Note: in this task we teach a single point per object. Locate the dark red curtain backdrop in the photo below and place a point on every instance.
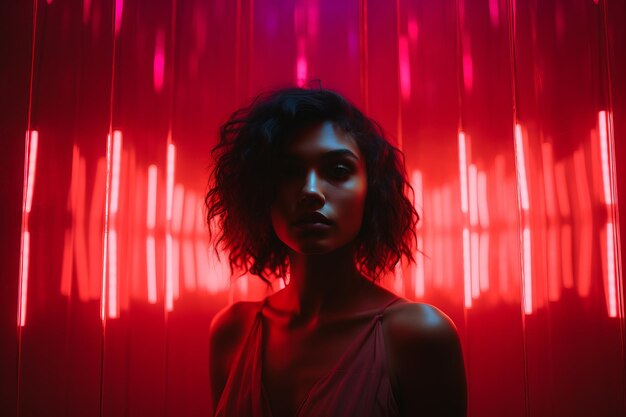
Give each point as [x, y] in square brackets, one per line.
[512, 117]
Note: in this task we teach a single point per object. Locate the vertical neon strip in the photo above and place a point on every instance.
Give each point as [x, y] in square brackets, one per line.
[151, 268]
[548, 178]
[152, 191]
[32, 166]
[105, 237]
[566, 256]
[112, 274]
[483, 203]
[405, 67]
[473, 194]
[419, 269]
[484, 261]
[467, 268]
[171, 155]
[527, 272]
[610, 269]
[169, 277]
[119, 7]
[561, 189]
[463, 172]
[158, 62]
[604, 155]
[521, 167]
[176, 269]
[115, 171]
[24, 277]
[301, 63]
[418, 187]
[475, 272]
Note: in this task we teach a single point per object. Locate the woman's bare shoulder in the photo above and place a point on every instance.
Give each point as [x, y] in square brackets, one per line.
[231, 321]
[415, 320]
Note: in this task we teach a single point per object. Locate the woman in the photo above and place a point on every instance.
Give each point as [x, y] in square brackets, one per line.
[306, 187]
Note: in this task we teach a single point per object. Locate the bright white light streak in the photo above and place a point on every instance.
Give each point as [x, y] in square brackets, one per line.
[169, 273]
[484, 261]
[604, 155]
[24, 278]
[475, 265]
[112, 294]
[115, 171]
[467, 280]
[152, 195]
[32, 166]
[520, 166]
[151, 268]
[527, 271]
[611, 275]
[171, 158]
[463, 171]
[472, 173]
[483, 202]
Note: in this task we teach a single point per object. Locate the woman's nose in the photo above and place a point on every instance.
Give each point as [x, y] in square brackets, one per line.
[311, 192]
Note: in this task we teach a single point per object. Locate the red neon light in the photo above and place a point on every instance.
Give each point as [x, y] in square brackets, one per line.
[494, 13]
[119, 7]
[419, 269]
[105, 237]
[561, 189]
[412, 29]
[176, 268]
[177, 208]
[95, 229]
[527, 271]
[113, 293]
[474, 253]
[301, 63]
[169, 273]
[32, 166]
[463, 171]
[484, 261]
[418, 187]
[151, 268]
[604, 155]
[158, 66]
[566, 256]
[585, 241]
[152, 196]
[554, 287]
[467, 280]
[611, 276]
[548, 178]
[483, 204]
[171, 160]
[473, 194]
[404, 67]
[115, 171]
[24, 278]
[520, 166]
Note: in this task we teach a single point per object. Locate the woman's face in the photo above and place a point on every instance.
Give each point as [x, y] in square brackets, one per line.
[320, 192]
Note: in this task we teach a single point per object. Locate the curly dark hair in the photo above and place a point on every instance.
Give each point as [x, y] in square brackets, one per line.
[243, 181]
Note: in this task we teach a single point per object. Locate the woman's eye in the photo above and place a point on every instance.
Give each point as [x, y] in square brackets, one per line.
[340, 171]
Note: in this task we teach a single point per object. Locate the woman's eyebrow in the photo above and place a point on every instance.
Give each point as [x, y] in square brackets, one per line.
[335, 153]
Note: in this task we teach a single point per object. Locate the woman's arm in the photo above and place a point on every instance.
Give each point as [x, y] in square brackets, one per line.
[426, 361]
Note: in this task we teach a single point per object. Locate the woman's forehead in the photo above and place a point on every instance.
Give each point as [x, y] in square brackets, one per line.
[322, 139]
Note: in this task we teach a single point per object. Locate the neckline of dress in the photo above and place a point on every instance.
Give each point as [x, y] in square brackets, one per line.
[344, 356]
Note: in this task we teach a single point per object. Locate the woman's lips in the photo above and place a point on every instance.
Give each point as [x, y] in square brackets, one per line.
[312, 226]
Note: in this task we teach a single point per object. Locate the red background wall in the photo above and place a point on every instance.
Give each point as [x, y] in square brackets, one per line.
[512, 117]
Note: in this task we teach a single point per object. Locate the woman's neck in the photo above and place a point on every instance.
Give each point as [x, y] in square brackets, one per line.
[321, 284]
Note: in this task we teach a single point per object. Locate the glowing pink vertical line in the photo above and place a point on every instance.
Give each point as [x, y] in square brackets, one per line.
[112, 274]
[604, 154]
[32, 166]
[119, 8]
[561, 189]
[475, 265]
[169, 277]
[484, 261]
[483, 204]
[152, 190]
[105, 237]
[418, 187]
[467, 272]
[115, 172]
[521, 167]
[473, 194]
[171, 158]
[158, 62]
[527, 271]
[151, 268]
[463, 171]
[404, 67]
[24, 277]
[611, 275]
[419, 269]
[494, 13]
[548, 178]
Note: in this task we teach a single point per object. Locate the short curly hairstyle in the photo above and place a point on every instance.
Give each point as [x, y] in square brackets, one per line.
[242, 184]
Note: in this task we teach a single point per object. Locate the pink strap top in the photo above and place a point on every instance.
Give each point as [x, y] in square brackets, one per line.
[358, 385]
